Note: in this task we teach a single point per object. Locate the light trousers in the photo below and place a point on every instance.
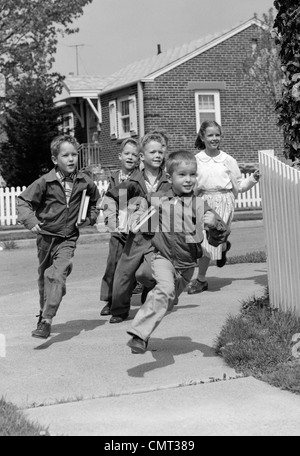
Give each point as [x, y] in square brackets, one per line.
[170, 283]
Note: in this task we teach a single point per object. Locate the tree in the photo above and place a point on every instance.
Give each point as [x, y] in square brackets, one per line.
[263, 66]
[287, 27]
[30, 126]
[29, 32]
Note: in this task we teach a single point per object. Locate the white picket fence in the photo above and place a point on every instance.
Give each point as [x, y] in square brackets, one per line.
[8, 196]
[280, 188]
[8, 202]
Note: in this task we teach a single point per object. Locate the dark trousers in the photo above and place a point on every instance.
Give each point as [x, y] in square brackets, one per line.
[116, 245]
[55, 264]
[132, 257]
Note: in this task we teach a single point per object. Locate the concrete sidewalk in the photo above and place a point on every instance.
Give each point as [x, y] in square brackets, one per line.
[85, 381]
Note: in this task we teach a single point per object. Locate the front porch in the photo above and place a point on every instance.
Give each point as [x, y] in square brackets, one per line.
[90, 158]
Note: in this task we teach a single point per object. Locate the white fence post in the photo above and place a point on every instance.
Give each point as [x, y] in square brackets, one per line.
[280, 186]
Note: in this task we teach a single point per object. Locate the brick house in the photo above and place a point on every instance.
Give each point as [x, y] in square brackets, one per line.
[176, 90]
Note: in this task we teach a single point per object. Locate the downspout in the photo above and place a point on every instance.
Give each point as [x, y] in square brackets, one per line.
[140, 88]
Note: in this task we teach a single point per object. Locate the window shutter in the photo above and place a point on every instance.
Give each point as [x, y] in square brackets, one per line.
[113, 119]
[133, 115]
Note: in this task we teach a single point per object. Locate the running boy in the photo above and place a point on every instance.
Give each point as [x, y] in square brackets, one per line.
[177, 243]
[129, 158]
[152, 178]
[49, 208]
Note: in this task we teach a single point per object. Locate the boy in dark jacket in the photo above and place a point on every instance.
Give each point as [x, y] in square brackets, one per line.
[181, 219]
[49, 208]
[129, 158]
[151, 179]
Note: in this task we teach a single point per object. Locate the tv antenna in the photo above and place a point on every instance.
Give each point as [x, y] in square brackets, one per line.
[76, 46]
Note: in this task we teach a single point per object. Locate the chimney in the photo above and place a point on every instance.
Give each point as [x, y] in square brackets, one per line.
[158, 49]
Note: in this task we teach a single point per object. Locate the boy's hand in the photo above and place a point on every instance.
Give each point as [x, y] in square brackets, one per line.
[36, 229]
[83, 224]
[209, 220]
[256, 175]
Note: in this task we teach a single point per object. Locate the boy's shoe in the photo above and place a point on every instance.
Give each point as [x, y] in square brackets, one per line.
[118, 318]
[106, 310]
[137, 345]
[43, 332]
[197, 287]
[222, 262]
[40, 319]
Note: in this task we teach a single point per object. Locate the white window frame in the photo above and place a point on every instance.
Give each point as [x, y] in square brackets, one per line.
[70, 129]
[121, 133]
[115, 118]
[216, 111]
[113, 124]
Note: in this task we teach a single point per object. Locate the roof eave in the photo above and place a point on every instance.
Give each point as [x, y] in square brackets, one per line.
[123, 86]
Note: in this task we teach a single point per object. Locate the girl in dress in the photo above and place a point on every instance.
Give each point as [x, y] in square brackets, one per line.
[219, 180]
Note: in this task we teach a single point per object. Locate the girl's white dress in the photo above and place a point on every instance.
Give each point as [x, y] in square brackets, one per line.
[219, 180]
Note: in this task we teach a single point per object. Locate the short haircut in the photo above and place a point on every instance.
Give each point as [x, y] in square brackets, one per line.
[59, 140]
[176, 158]
[132, 141]
[162, 133]
[151, 136]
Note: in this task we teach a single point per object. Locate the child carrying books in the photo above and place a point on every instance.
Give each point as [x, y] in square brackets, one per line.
[177, 239]
[49, 207]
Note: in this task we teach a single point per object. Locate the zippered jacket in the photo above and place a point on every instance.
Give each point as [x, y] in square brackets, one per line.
[44, 202]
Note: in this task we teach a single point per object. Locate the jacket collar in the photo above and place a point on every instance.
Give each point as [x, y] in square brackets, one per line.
[170, 194]
[139, 177]
[51, 176]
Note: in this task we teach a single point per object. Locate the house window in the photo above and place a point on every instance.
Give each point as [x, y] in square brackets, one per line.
[123, 117]
[207, 107]
[66, 124]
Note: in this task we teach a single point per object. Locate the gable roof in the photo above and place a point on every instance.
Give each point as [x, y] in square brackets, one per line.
[151, 68]
[81, 86]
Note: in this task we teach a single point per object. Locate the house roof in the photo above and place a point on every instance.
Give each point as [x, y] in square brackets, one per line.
[150, 68]
[81, 86]
[146, 69]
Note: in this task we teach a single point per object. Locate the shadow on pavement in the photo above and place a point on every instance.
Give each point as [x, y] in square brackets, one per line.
[164, 352]
[69, 330]
[217, 283]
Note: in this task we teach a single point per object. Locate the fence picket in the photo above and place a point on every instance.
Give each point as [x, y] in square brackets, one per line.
[280, 204]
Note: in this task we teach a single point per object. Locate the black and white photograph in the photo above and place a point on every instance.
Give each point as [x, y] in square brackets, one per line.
[149, 221]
